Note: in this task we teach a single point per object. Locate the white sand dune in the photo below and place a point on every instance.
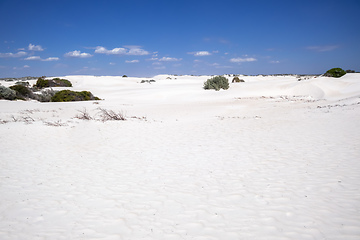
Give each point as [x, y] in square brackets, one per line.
[271, 158]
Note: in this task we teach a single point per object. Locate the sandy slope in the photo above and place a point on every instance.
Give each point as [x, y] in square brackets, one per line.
[272, 158]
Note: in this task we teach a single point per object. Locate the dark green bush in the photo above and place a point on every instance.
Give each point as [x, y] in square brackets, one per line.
[60, 83]
[217, 83]
[335, 72]
[22, 92]
[71, 96]
[56, 82]
[42, 83]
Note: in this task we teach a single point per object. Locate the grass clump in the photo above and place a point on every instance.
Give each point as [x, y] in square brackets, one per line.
[217, 83]
[335, 72]
[72, 96]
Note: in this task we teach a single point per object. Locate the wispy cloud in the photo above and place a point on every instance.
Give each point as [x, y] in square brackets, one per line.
[38, 58]
[127, 50]
[241, 60]
[275, 61]
[115, 51]
[132, 61]
[13, 55]
[19, 68]
[169, 59]
[200, 53]
[35, 47]
[325, 48]
[77, 54]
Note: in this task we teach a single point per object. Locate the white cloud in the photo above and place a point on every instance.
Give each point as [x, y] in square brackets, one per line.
[130, 50]
[50, 59]
[35, 47]
[169, 59]
[38, 58]
[26, 66]
[132, 61]
[77, 54]
[240, 60]
[326, 48]
[15, 55]
[115, 51]
[137, 52]
[153, 59]
[274, 61]
[112, 63]
[200, 53]
[33, 58]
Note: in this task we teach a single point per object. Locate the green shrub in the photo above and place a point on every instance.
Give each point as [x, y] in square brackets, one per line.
[57, 82]
[217, 83]
[335, 72]
[42, 83]
[124, 76]
[71, 96]
[7, 93]
[22, 92]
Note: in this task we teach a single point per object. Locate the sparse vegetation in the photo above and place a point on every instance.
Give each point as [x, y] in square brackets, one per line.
[84, 115]
[71, 96]
[148, 81]
[335, 72]
[217, 83]
[110, 115]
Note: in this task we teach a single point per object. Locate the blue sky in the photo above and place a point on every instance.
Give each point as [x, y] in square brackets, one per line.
[145, 38]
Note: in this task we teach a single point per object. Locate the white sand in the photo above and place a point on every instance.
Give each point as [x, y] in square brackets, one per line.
[271, 158]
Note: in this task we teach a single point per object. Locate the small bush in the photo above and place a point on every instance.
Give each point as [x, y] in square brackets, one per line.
[60, 83]
[55, 82]
[124, 76]
[335, 72]
[7, 93]
[217, 83]
[42, 83]
[22, 92]
[71, 96]
[237, 79]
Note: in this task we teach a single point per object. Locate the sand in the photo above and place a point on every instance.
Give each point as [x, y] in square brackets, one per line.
[271, 158]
